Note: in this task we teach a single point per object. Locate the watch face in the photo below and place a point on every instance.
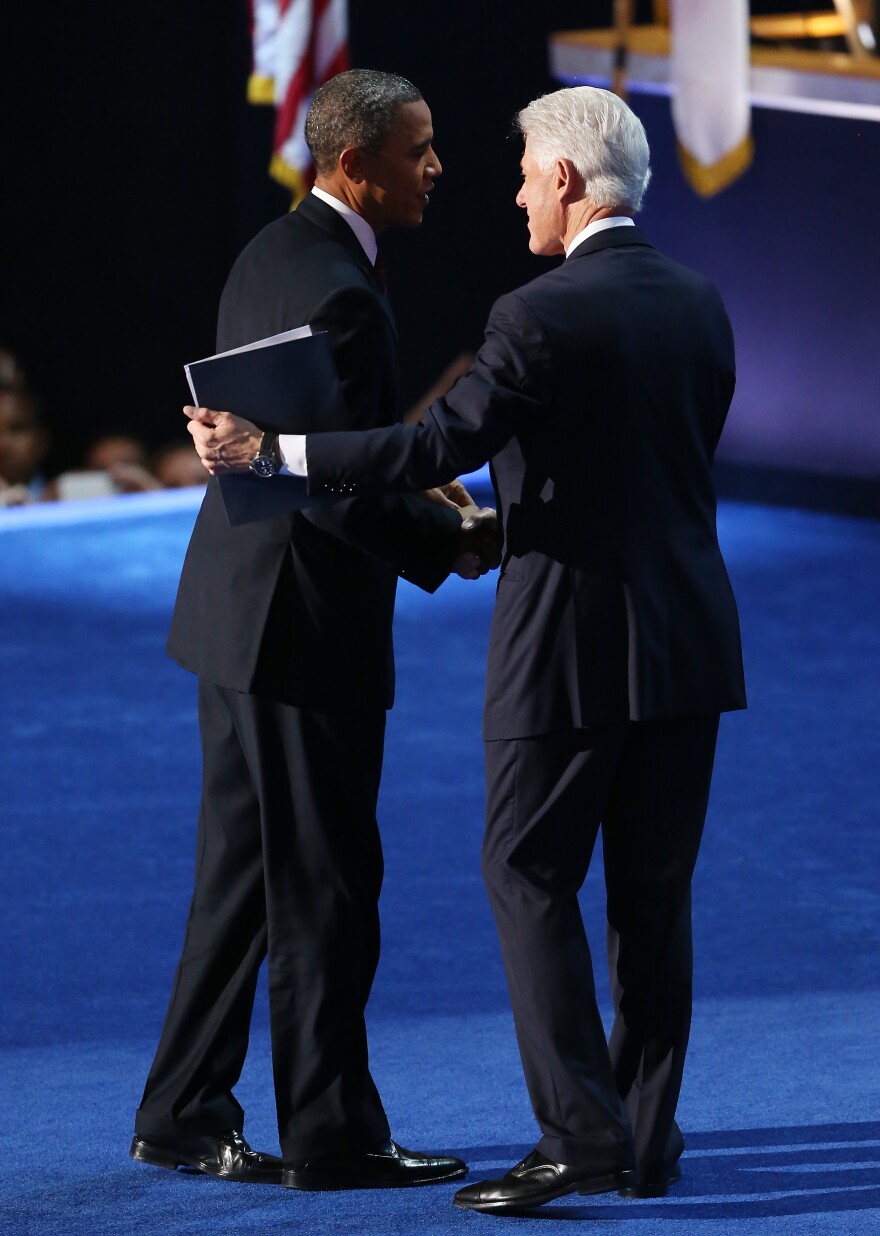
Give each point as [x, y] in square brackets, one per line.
[263, 465]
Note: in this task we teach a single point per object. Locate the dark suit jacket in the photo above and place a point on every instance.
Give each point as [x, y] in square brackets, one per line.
[599, 395]
[300, 607]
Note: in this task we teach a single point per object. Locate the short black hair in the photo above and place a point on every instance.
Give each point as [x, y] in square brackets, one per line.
[355, 108]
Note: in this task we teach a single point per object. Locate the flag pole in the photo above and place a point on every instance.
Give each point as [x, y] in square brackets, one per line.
[854, 17]
[623, 20]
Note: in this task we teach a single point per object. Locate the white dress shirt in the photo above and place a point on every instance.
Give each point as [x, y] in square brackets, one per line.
[356, 222]
[598, 225]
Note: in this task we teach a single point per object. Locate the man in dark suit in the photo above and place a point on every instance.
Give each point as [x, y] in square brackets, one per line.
[287, 622]
[599, 395]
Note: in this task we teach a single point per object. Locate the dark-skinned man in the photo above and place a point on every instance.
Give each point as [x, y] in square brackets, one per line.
[287, 622]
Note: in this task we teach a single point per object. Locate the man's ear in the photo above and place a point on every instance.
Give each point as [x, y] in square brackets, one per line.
[351, 161]
[569, 182]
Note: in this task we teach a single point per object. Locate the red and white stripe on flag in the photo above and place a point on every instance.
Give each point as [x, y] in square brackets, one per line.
[297, 46]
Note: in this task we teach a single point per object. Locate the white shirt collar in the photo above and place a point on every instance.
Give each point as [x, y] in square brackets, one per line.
[356, 222]
[598, 225]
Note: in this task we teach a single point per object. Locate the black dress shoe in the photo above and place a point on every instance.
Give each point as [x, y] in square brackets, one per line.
[537, 1180]
[653, 1186]
[227, 1156]
[391, 1167]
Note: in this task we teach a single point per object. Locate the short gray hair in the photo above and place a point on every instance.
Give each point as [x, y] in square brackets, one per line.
[601, 136]
[355, 108]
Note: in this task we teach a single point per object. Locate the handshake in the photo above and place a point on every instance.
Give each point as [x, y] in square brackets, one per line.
[227, 443]
[479, 547]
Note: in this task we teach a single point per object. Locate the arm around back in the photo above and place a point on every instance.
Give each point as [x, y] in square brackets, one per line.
[508, 384]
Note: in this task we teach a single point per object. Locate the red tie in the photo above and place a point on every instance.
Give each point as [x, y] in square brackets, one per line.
[379, 272]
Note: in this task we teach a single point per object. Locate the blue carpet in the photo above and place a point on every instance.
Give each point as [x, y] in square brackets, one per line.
[100, 770]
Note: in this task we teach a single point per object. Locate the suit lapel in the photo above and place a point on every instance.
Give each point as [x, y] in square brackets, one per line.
[324, 216]
[319, 213]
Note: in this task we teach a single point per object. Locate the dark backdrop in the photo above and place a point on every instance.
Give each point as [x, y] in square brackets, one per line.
[133, 171]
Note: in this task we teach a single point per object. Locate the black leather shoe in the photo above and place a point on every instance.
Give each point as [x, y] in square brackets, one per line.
[227, 1156]
[537, 1180]
[653, 1186]
[392, 1167]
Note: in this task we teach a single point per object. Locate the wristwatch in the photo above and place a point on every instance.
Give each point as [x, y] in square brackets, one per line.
[264, 462]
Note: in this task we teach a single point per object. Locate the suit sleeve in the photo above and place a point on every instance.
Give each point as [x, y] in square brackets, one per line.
[508, 385]
[417, 538]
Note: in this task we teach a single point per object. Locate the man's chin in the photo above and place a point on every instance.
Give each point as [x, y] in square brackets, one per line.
[421, 205]
[546, 248]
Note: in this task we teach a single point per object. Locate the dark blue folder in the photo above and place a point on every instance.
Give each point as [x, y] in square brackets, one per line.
[286, 384]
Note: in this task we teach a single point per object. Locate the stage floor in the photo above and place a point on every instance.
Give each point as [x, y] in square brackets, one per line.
[100, 777]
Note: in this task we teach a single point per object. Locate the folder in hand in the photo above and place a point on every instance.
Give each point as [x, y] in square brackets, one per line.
[286, 383]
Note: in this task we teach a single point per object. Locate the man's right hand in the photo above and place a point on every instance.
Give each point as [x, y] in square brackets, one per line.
[479, 543]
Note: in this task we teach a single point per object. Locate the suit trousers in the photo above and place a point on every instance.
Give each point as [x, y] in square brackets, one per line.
[646, 784]
[289, 866]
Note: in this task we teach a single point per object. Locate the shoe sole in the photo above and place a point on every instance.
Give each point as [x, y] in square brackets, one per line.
[586, 1188]
[143, 1152]
[312, 1183]
[659, 1189]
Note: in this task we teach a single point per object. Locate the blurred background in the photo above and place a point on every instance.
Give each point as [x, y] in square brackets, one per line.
[134, 170]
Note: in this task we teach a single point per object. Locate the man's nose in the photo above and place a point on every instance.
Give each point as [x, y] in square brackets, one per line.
[435, 167]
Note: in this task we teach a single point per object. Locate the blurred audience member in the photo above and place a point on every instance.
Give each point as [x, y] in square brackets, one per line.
[11, 372]
[114, 464]
[173, 466]
[177, 466]
[24, 445]
[121, 460]
[118, 464]
[115, 448]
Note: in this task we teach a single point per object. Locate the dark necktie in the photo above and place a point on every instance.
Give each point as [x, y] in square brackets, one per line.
[379, 272]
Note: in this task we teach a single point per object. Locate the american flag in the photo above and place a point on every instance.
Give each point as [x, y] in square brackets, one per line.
[297, 46]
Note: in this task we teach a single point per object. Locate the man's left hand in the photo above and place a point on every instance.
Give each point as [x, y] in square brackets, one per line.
[225, 442]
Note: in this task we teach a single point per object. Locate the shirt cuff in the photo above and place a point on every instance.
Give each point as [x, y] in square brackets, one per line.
[292, 449]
